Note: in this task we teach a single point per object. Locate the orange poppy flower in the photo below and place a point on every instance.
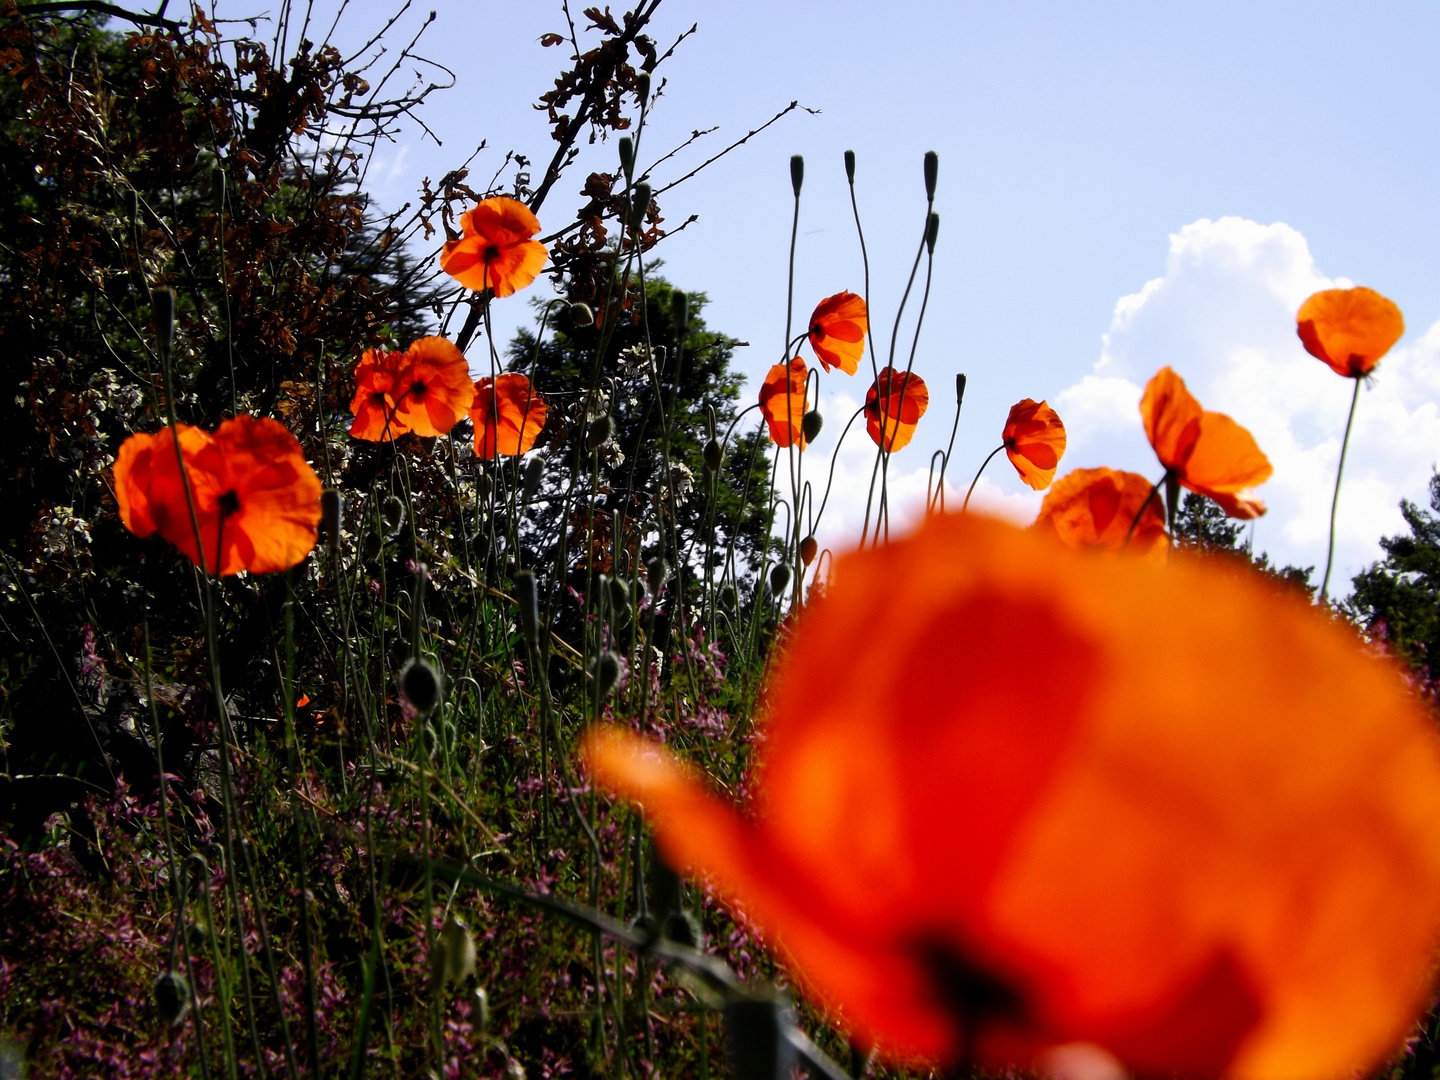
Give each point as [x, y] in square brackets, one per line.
[1095, 508]
[496, 251]
[435, 390]
[782, 402]
[1206, 452]
[1350, 329]
[1034, 440]
[1020, 817]
[837, 331]
[256, 499]
[905, 399]
[508, 415]
[377, 376]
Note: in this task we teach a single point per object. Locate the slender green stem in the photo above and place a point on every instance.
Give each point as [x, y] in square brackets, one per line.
[966, 505]
[1335, 501]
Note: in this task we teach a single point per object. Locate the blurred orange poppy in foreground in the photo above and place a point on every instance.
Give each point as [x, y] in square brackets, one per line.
[1034, 441]
[496, 251]
[1057, 799]
[508, 415]
[898, 400]
[782, 402]
[257, 501]
[1206, 452]
[837, 331]
[1096, 508]
[1350, 329]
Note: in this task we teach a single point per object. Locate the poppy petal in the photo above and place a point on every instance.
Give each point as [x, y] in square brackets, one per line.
[1098, 508]
[895, 402]
[837, 331]
[1034, 439]
[1172, 418]
[782, 402]
[1349, 329]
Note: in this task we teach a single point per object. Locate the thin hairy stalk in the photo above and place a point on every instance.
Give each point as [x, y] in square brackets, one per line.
[971, 491]
[1335, 499]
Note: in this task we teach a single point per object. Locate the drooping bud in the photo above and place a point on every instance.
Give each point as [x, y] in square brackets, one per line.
[528, 599]
[162, 316]
[959, 390]
[656, 574]
[714, 455]
[599, 433]
[371, 546]
[172, 997]
[779, 579]
[642, 88]
[810, 425]
[797, 173]
[932, 171]
[609, 670]
[534, 472]
[581, 315]
[480, 1011]
[627, 156]
[850, 166]
[729, 597]
[330, 518]
[639, 205]
[453, 960]
[619, 597]
[420, 686]
[932, 230]
[757, 1039]
[808, 547]
[392, 512]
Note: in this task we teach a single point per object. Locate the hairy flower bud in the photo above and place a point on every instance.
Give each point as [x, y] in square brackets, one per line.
[808, 547]
[932, 171]
[581, 315]
[657, 572]
[810, 425]
[599, 433]
[392, 512]
[714, 455]
[171, 992]
[797, 173]
[453, 960]
[609, 670]
[627, 156]
[779, 579]
[959, 390]
[619, 596]
[642, 88]
[639, 205]
[932, 230]
[850, 166]
[371, 546]
[528, 599]
[420, 686]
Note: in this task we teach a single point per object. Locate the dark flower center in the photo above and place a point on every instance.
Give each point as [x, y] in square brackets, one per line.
[417, 390]
[492, 253]
[229, 504]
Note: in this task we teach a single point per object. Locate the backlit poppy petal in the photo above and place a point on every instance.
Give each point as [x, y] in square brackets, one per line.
[1172, 418]
[1095, 508]
[373, 406]
[508, 415]
[782, 402]
[496, 251]
[1226, 460]
[837, 331]
[897, 401]
[434, 390]
[1350, 329]
[1034, 441]
[132, 471]
[966, 854]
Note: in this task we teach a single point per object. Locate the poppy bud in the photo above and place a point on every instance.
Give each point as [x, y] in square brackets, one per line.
[730, 597]
[810, 425]
[619, 595]
[392, 512]
[932, 170]
[642, 88]
[453, 960]
[581, 315]
[627, 156]
[757, 1039]
[639, 204]
[714, 455]
[797, 173]
[534, 471]
[680, 313]
[656, 573]
[330, 517]
[529, 601]
[480, 1011]
[514, 1070]
[808, 548]
[959, 390]
[609, 669]
[932, 230]
[599, 433]
[420, 686]
[370, 549]
[172, 997]
[684, 929]
[850, 166]
[779, 578]
[162, 315]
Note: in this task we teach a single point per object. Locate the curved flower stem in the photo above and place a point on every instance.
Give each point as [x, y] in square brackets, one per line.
[1141, 512]
[1335, 501]
[833, 455]
[966, 505]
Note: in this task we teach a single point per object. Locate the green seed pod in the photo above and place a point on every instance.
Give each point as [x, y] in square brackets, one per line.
[714, 455]
[599, 433]
[162, 316]
[527, 597]
[779, 579]
[581, 315]
[627, 156]
[420, 686]
[797, 173]
[850, 166]
[810, 425]
[608, 671]
[808, 547]
[639, 205]
[330, 518]
[729, 597]
[932, 171]
[371, 547]
[959, 390]
[171, 992]
[619, 596]
[932, 230]
[642, 88]
[392, 512]
[454, 957]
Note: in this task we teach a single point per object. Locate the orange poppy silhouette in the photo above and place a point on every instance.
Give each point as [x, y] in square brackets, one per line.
[377, 377]
[837, 331]
[1206, 452]
[1097, 508]
[496, 251]
[1019, 817]
[1034, 441]
[1350, 329]
[898, 400]
[782, 402]
[256, 499]
[508, 415]
[435, 390]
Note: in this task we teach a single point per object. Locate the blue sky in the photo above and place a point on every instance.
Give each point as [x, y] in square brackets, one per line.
[1077, 143]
